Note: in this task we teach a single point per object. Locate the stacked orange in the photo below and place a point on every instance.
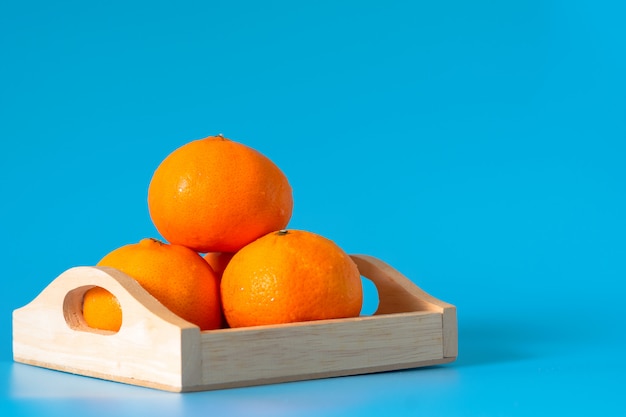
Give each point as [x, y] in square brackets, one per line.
[223, 207]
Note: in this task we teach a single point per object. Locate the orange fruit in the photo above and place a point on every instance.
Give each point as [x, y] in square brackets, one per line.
[290, 276]
[175, 275]
[217, 195]
[218, 261]
[101, 310]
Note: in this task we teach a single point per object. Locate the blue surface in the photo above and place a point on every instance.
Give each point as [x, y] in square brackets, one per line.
[478, 147]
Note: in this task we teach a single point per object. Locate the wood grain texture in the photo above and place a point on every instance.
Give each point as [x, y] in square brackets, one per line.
[148, 349]
[397, 294]
[320, 349]
[155, 348]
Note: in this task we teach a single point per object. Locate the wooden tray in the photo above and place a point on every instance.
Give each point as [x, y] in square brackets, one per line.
[155, 348]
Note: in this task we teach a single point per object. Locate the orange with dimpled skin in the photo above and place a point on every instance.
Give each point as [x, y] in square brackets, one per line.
[175, 275]
[290, 276]
[217, 195]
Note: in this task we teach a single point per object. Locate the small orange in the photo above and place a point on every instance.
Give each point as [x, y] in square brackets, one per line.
[217, 195]
[175, 275]
[101, 310]
[218, 261]
[290, 276]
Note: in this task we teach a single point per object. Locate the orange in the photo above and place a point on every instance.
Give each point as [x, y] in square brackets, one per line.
[101, 310]
[217, 195]
[290, 276]
[218, 261]
[175, 275]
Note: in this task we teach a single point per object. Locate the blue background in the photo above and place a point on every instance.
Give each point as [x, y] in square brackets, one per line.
[478, 147]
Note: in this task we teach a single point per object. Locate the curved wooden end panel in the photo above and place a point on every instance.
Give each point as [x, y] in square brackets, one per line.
[154, 347]
[398, 294]
[68, 289]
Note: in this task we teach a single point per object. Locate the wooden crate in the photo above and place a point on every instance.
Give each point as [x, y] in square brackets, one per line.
[155, 348]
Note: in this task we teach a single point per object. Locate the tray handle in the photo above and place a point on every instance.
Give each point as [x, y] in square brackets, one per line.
[153, 347]
[398, 294]
[139, 308]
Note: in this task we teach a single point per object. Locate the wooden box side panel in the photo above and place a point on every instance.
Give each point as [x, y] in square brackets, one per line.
[266, 354]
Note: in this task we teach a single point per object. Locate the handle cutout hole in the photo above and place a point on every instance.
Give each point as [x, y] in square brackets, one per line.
[370, 297]
[101, 306]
